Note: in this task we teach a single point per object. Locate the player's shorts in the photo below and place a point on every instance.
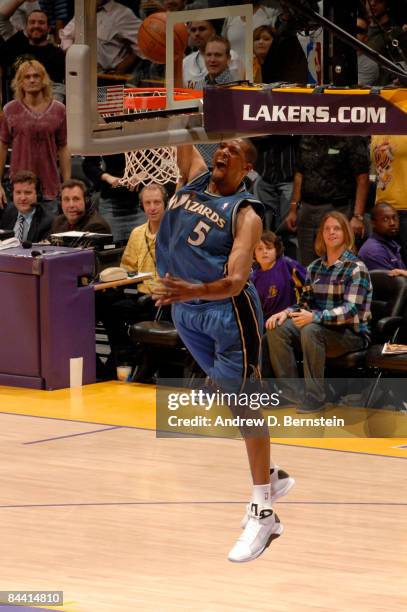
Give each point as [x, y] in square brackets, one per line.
[224, 337]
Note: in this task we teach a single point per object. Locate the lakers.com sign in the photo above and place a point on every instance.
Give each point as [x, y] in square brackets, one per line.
[228, 111]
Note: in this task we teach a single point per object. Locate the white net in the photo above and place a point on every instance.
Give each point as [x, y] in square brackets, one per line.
[150, 165]
[143, 166]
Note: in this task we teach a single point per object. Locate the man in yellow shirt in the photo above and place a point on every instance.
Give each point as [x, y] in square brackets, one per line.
[139, 254]
[117, 311]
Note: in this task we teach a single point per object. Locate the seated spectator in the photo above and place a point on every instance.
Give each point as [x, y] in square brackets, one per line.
[77, 212]
[277, 278]
[139, 254]
[117, 30]
[113, 308]
[332, 317]
[381, 251]
[217, 59]
[263, 38]
[32, 43]
[194, 68]
[34, 126]
[235, 27]
[26, 216]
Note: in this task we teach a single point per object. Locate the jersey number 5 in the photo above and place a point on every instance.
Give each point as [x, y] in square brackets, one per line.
[201, 230]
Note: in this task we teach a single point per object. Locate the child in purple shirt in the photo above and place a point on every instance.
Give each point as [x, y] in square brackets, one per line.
[277, 278]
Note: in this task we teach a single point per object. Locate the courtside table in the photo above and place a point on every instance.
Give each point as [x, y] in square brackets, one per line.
[47, 316]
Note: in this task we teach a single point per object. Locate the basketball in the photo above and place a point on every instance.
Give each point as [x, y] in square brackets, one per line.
[152, 39]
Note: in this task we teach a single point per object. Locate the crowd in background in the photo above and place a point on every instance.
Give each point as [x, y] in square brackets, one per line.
[298, 179]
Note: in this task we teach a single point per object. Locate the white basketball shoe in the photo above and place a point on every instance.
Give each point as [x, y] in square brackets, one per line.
[260, 530]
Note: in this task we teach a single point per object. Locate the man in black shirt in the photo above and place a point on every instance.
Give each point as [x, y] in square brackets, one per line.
[385, 35]
[77, 211]
[29, 44]
[332, 173]
[276, 167]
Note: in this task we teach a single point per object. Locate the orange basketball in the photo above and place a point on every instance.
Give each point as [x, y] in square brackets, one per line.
[151, 38]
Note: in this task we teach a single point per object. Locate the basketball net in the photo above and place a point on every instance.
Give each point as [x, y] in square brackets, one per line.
[144, 166]
[150, 166]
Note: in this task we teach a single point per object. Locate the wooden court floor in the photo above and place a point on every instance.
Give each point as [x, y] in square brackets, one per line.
[94, 504]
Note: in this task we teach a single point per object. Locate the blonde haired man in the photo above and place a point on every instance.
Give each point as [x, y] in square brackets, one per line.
[34, 127]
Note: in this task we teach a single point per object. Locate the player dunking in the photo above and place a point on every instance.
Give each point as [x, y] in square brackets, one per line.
[204, 256]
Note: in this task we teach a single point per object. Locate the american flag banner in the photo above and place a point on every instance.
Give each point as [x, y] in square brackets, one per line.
[110, 100]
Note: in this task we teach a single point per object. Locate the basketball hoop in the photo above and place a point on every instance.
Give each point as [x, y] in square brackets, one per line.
[143, 99]
[157, 165]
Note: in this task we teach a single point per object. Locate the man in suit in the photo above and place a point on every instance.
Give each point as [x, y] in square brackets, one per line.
[77, 211]
[26, 217]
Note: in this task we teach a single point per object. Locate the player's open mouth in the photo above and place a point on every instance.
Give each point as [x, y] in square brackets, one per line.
[220, 163]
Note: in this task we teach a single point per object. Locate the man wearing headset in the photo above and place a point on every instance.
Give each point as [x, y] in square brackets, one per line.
[77, 213]
[26, 217]
[114, 308]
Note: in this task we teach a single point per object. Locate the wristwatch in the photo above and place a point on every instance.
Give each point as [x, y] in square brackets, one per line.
[358, 217]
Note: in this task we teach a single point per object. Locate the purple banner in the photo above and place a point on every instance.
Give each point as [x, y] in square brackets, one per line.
[228, 111]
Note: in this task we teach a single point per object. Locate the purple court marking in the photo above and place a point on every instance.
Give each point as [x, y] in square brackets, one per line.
[334, 450]
[197, 503]
[83, 433]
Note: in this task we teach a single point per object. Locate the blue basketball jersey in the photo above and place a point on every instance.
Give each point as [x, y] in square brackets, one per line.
[197, 231]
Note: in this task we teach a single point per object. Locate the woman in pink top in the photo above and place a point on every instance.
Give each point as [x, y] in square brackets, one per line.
[34, 126]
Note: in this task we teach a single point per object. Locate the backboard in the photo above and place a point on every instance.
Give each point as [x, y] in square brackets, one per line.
[181, 121]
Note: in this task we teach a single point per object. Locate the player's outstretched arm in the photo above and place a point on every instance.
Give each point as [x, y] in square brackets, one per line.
[190, 163]
[248, 233]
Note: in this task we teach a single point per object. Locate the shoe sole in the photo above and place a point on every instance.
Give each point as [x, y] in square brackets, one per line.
[273, 536]
[288, 486]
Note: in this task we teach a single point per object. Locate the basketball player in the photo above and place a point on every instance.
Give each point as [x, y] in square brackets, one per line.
[204, 254]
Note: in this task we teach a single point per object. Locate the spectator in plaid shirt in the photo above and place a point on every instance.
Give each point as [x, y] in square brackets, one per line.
[332, 316]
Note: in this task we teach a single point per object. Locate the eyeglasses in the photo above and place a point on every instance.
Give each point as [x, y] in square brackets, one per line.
[361, 30]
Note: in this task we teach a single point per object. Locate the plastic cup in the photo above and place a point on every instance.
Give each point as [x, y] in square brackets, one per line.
[124, 373]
